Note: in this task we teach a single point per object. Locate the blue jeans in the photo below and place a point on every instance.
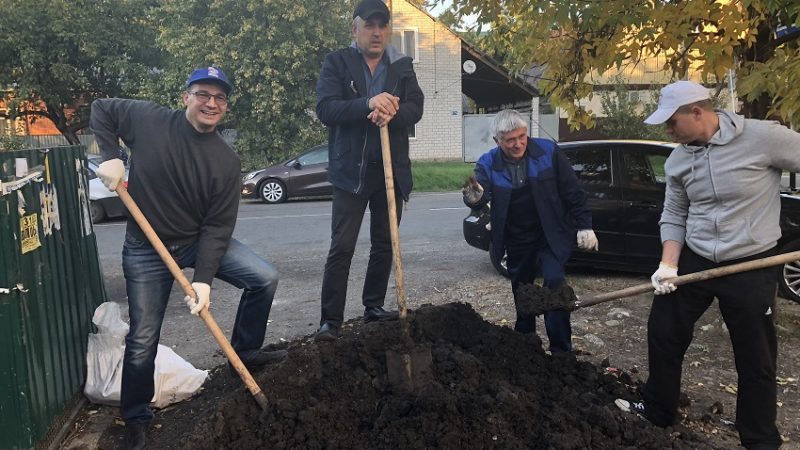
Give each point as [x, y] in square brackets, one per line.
[524, 262]
[149, 282]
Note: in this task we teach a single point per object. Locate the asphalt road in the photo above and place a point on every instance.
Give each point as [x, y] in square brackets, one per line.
[295, 237]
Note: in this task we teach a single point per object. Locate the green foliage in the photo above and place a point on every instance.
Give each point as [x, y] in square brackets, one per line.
[440, 176]
[271, 49]
[11, 143]
[576, 39]
[59, 55]
[625, 114]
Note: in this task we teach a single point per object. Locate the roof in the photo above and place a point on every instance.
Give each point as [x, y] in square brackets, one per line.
[491, 85]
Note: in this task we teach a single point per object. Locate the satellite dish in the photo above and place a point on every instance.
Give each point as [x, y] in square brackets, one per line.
[469, 66]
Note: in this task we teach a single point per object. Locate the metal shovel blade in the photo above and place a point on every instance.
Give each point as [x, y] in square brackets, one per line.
[409, 370]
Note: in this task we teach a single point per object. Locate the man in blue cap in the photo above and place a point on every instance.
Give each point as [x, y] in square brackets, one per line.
[186, 180]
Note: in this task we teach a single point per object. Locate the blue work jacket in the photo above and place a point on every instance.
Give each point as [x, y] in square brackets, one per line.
[559, 200]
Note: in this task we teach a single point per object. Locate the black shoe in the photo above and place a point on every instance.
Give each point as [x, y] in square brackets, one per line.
[136, 436]
[631, 407]
[255, 359]
[372, 313]
[327, 332]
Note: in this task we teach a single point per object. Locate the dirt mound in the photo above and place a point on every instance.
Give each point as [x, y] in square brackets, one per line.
[492, 388]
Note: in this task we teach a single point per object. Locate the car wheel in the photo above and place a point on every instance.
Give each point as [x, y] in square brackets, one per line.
[97, 211]
[272, 191]
[501, 266]
[789, 282]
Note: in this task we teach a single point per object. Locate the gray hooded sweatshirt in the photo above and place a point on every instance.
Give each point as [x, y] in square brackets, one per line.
[722, 199]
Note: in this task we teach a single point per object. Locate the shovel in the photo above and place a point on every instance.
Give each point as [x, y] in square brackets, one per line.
[536, 300]
[219, 336]
[409, 369]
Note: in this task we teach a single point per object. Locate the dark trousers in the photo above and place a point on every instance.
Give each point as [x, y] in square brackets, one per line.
[524, 262]
[747, 302]
[347, 214]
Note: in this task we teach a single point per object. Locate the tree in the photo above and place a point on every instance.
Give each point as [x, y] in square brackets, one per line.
[579, 38]
[272, 50]
[625, 113]
[59, 55]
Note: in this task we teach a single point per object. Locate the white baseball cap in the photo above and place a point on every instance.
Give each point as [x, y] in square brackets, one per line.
[673, 96]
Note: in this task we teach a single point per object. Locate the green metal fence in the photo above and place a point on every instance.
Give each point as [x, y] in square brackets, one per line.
[50, 284]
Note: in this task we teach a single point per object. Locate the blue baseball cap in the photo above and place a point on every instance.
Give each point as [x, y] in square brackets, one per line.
[211, 75]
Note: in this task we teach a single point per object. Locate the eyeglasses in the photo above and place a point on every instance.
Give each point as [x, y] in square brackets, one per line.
[205, 97]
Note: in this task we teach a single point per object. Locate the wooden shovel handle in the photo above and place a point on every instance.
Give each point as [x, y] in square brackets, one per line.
[692, 277]
[176, 272]
[402, 307]
[388, 176]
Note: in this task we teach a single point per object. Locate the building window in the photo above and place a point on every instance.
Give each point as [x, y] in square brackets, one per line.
[405, 40]
[412, 131]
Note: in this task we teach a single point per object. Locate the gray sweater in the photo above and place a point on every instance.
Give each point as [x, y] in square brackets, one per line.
[722, 199]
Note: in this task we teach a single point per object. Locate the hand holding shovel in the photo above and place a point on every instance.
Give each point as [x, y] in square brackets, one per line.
[219, 336]
[541, 300]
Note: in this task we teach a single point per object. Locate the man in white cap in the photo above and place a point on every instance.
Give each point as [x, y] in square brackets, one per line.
[721, 207]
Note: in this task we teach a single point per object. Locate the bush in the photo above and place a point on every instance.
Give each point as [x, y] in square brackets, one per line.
[11, 143]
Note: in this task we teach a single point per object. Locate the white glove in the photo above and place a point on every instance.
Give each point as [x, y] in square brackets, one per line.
[472, 190]
[587, 240]
[111, 173]
[203, 300]
[665, 271]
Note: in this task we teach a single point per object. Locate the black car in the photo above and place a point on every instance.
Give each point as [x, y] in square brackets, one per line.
[624, 183]
[305, 175]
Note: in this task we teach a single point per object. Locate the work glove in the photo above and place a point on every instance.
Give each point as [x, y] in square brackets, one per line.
[203, 300]
[587, 240]
[472, 190]
[665, 271]
[111, 173]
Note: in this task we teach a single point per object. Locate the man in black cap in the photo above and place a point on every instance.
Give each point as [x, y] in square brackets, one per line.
[186, 180]
[361, 88]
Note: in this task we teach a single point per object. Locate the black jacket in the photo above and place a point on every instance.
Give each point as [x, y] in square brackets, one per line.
[342, 106]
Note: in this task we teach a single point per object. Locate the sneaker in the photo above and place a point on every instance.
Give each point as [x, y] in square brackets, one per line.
[631, 407]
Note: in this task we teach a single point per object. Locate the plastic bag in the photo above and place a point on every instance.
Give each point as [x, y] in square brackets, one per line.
[175, 379]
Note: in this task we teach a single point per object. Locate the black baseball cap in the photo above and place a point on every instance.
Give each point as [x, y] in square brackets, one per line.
[368, 8]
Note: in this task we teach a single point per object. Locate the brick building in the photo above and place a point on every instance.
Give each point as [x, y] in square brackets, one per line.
[439, 62]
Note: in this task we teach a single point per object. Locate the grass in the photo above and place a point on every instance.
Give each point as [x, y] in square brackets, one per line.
[440, 176]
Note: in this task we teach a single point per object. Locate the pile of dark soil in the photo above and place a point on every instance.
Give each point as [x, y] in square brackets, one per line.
[492, 388]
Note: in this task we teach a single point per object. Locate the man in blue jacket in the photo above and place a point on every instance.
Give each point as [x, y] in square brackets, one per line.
[537, 206]
[361, 88]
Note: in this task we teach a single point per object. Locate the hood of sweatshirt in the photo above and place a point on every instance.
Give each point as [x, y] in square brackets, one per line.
[730, 126]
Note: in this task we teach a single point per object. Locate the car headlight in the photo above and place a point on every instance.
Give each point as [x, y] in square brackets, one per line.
[250, 175]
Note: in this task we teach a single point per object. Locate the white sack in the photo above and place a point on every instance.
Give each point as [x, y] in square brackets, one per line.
[175, 379]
